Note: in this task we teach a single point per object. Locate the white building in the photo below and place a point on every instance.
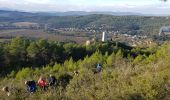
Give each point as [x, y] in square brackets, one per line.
[88, 42]
[104, 37]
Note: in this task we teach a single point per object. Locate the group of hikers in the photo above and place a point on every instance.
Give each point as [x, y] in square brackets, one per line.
[31, 85]
[42, 83]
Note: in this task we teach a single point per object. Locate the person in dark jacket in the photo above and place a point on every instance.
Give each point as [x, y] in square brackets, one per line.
[52, 81]
[31, 86]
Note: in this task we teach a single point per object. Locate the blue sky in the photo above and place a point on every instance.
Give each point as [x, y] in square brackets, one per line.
[141, 6]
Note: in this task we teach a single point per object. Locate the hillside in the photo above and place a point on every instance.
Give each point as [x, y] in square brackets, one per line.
[127, 73]
[145, 25]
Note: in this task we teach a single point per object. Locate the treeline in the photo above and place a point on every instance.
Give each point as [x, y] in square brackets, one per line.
[22, 52]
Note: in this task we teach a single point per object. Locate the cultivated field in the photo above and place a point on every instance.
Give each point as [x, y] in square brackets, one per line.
[25, 24]
[6, 35]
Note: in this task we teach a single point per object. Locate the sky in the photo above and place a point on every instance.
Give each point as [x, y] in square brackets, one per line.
[139, 6]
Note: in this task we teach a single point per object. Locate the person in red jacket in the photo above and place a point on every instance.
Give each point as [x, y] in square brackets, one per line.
[42, 83]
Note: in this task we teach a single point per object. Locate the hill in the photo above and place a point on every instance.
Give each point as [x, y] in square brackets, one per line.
[144, 25]
[127, 73]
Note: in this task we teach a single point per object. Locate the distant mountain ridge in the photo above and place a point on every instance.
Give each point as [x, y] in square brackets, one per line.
[7, 13]
[81, 13]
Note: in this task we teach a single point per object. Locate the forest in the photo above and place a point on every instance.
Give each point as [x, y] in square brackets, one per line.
[127, 73]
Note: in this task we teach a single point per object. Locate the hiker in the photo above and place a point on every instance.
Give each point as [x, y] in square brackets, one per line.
[98, 69]
[6, 90]
[42, 83]
[31, 86]
[76, 73]
[52, 80]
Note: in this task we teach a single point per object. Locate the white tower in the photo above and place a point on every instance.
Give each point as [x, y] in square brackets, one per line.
[104, 37]
[46, 26]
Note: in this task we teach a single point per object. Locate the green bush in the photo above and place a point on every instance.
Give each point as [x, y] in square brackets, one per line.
[24, 73]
